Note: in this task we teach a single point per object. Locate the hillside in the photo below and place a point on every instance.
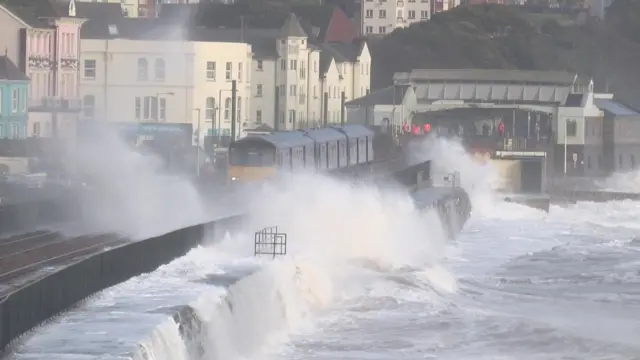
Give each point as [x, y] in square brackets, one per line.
[502, 37]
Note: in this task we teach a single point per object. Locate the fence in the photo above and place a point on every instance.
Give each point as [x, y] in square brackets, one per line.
[29, 306]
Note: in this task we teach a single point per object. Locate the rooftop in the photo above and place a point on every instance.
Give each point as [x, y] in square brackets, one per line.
[487, 76]
[35, 12]
[615, 108]
[9, 71]
[391, 95]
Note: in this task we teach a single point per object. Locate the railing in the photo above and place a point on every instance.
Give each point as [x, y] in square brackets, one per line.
[52, 104]
[498, 143]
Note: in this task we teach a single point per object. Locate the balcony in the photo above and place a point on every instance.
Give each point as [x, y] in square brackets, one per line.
[51, 104]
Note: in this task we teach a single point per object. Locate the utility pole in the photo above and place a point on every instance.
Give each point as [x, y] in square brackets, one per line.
[233, 111]
[342, 114]
[198, 143]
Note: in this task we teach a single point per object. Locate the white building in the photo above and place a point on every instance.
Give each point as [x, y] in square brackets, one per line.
[299, 82]
[141, 71]
[129, 7]
[379, 17]
[598, 8]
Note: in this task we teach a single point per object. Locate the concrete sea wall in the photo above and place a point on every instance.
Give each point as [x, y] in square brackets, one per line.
[31, 305]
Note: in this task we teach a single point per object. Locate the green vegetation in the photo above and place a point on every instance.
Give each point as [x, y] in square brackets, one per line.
[503, 37]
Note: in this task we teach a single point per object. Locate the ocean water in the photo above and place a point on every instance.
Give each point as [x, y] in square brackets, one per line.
[369, 277]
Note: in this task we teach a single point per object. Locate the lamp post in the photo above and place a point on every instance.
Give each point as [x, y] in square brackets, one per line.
[566, 128]
[198, 143]
[170, 93]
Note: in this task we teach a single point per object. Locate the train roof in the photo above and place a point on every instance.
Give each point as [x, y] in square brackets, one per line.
[354, 130]
[325, 134]
[285, 139]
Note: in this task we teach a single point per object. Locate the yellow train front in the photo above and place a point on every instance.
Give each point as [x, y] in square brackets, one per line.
[260, 157]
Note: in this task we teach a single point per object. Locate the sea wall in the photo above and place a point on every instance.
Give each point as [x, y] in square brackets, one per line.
[31, 305]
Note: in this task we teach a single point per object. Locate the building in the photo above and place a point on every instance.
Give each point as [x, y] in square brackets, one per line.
[299, 82]
[443, 5]
[602, 136]
[130, 8]
[42, 38]
[380, 17]
[14, 87]
[142, 70]
[382, 108]
[598, 8]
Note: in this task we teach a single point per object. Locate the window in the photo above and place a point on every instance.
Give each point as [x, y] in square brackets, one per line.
[146, 108]
[382, 30]
[88, 106]
[369, 14]
[163, 109]
[240, 72]
[382, 14]
[632, 159]
[369, 30]
[572, 127]
[424, 14]
[15, 131]
[292, 116]
[159, 69]
[90, 69]
[259, 117]
[15, 100]
[138, 107]
[283, 64]
[283, 91]
[210, 108]
[620, 161]
[1, 100]
[36, 130]
[259, 65]
[303, 70]
[239, 104]
[293, 65]
[412, 14]
[211, 70]
[292, 90]
[227, 108]
[143, 68]
[229, 69]
[259, 90]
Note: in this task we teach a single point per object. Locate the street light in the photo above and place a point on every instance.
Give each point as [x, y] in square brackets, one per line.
[198, 143]
[170, 93]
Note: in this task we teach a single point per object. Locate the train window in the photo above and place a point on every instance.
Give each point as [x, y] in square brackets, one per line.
[251, 156]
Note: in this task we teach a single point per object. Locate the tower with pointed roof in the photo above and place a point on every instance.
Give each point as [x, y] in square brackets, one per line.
[293, 54]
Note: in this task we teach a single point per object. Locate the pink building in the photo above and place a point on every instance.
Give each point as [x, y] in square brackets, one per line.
[43, 38]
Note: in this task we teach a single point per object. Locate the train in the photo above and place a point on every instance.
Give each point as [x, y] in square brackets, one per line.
[330, 149]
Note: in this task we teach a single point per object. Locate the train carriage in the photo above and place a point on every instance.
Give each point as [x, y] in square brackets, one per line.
[326, 147]
[259, 157]
[359, 143]
[333, 148]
